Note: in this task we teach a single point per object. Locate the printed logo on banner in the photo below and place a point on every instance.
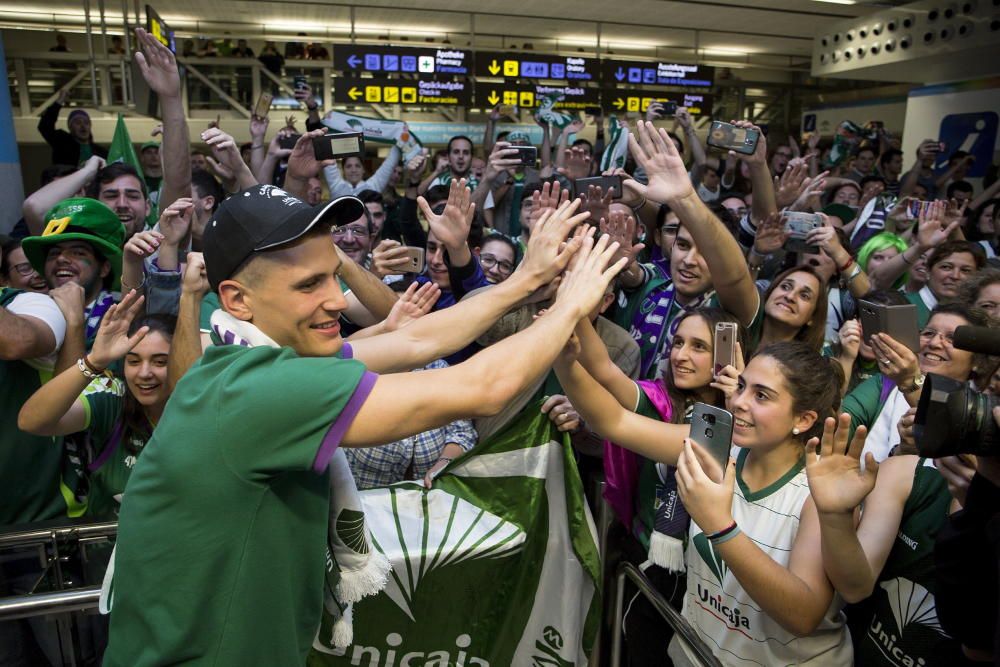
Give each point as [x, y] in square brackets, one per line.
[974, 133]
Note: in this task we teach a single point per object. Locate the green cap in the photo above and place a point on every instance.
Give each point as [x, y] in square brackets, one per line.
[518, 137]
[842, 211]
[149, 144]
[79, 219]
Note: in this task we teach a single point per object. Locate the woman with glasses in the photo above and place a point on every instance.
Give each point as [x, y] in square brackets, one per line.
[498, 257]
[16, 271]
[881, 401]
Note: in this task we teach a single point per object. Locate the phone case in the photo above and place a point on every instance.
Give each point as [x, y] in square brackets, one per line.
[712, 429]
[898, 321]
[724, 345]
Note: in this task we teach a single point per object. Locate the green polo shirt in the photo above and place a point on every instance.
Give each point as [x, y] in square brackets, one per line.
[223, 530]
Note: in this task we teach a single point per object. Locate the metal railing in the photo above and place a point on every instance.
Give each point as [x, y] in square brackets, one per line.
[682, 629]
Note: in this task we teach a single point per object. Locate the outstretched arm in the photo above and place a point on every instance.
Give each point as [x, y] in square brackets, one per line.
[668, 183]
[400, 405]
[41, 200]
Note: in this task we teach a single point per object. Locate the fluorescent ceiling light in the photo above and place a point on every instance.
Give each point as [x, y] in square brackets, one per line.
[725, 51]
[838, 2]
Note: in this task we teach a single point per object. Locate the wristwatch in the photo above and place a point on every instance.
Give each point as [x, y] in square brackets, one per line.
[918, 383]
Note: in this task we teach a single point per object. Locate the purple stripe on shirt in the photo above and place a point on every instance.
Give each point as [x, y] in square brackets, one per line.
[339, 427]
[347, 352]
[109, 447]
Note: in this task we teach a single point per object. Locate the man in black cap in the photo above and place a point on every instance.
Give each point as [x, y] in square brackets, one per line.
[222, 532]
[75, 146]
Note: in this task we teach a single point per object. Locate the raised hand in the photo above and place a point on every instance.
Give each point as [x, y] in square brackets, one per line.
[933, 226]
[503, 159]
[142, 245]
[70, 299]
[302, 162]
[850, 339]
[453, 225]
[789, 185]
[576, 163]
[548, 251]
[655, 152]
[548, 199]
[258, 128]
[113, 342]
[907, 443]
[175, 221]
[195, 279]
[759, 155]
[837, 483]
[585, 284]
[157, 65]
[415, 166]
[596, 202]
[620, 228]
[826, 238]
[414, 303]
[771, 235]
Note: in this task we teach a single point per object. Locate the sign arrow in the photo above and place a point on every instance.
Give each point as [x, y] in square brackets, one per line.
[494, 68]
[354, 93]
[493, 98]
[620, 74]
[354, 61]
[619, 103]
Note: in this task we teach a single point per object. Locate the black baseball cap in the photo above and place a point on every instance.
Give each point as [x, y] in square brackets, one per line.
[264, 217]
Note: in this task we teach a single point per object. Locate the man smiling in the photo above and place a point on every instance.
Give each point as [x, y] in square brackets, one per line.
[252, 427]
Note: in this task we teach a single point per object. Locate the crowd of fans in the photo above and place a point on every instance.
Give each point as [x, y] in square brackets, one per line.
[599, 307]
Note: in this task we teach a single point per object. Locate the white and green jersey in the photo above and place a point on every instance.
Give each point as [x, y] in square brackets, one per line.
[732, 625]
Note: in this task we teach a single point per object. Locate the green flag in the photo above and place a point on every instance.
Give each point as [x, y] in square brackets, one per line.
[122, 150]
[496, 565]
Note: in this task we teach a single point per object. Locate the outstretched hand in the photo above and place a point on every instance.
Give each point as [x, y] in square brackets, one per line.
[453, 225]
[157, 65]
[548, 250]
[584, 285]
[656, 153]
[113, 342]
[414, 303]
[836, 481]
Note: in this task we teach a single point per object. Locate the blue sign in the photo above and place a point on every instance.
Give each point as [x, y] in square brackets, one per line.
[558, 71]
[373, 61]
[974, 133]
[648, 75]
[409, 63]
[534, 70]
[390, 62]
[635, 75]
[658, 73]
[354, 59]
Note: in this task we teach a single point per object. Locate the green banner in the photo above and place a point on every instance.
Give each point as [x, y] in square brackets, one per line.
[496, 565]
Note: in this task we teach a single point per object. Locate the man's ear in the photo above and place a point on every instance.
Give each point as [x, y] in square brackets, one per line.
[105, 268]
[476, 251]
[236, 300]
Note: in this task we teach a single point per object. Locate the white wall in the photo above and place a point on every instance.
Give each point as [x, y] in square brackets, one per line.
[890, 112]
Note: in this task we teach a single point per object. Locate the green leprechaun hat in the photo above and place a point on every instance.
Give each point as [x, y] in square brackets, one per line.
[79, 219]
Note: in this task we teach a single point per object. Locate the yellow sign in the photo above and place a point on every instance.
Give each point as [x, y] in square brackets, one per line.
[409, 95]
[354, 93]
[391, 95]
[510, 97]
[373, 94]
[526, 99]
[493, 98]
[494, 68]
[632, 103]
[510, 68]
[619, 104]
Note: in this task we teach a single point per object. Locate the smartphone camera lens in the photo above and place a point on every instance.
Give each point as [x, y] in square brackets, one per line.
[709, 433]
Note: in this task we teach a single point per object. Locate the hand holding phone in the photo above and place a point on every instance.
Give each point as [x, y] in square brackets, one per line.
[797, 227]
[333, 145]
[712, 430]
[729, 137]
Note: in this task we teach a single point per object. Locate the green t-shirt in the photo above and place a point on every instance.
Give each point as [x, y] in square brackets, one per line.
[864, 403]
[115, 452]
[223, 530]
[30, 465]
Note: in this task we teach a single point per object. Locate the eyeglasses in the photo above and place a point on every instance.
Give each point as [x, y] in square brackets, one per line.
[24, 268]
[489, 261]
[354, 230]
[929, 334]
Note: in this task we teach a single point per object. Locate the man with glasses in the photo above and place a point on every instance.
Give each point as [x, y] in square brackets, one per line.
[355, 239]
[16, 272]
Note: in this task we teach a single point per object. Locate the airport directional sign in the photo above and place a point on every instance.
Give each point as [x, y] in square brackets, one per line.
[624, 100]
[657, 73]
[529, 96]
[357, 58]
[535, 66]
[417, 92]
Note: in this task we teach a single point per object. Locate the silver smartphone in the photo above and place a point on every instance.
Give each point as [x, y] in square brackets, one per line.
[724, 345]
[712, 429]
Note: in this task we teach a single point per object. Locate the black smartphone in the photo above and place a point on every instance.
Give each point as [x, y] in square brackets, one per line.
[724, 345]
[606, 183]
[798, 225]
[289, 141]
[527, 154]
[712, 429]
[300, 82]
[898, 321]
[728, 137]
[338, 145]
[667, 110]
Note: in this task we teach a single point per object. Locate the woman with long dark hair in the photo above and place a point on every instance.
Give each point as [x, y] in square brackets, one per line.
[86, 397]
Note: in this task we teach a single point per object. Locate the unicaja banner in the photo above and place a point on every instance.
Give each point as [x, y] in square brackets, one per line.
[377, 129]
[497, 565]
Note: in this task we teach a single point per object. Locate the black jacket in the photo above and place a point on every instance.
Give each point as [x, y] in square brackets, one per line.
[65, 149]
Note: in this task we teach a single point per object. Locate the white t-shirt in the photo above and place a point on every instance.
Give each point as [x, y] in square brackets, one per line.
[42, 307]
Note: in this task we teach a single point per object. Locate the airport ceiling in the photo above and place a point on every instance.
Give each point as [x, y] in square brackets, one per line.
[710, 29]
